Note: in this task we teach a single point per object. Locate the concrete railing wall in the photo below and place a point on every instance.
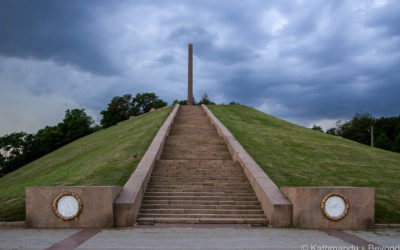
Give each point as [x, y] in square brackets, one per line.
[127, 205]
[276, 207]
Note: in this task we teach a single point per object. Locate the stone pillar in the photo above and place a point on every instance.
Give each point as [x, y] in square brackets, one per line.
[190, 75]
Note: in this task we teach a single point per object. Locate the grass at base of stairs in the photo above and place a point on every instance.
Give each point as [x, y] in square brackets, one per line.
[105, 158]
[296, 156]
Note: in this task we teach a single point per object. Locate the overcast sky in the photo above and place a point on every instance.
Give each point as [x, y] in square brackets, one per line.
[309, 62]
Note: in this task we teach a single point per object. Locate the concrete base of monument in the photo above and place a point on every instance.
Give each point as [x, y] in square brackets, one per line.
[70, 207]
[338, 208]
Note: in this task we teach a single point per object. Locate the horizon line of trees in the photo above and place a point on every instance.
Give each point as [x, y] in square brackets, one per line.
[19, 148]
[382, 133]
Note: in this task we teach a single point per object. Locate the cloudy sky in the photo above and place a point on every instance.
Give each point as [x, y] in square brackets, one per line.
[309, 62]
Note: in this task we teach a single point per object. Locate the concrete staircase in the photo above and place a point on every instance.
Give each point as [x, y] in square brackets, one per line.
[196, 180]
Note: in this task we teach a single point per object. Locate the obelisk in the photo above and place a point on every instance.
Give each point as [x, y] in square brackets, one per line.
[190, 75]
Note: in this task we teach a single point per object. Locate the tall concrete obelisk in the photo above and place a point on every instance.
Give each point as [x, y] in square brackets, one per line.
[190, 75]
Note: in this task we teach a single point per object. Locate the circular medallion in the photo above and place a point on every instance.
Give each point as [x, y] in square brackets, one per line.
[335, 206]
[67, 206]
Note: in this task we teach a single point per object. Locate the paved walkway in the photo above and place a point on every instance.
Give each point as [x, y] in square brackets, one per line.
[196, 238]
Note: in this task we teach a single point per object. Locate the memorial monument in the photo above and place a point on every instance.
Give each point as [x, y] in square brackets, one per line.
[190, 75]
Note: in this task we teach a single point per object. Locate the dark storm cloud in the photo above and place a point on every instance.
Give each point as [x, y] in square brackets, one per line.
[348, 63]
[63, 31]
[299, 60]
[388, 19]
[207, 50]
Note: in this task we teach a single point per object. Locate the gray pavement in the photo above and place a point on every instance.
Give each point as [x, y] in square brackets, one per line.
[380, 237]
[195, 238]
[32, 238]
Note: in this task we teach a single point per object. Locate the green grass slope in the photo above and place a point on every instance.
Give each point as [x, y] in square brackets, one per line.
[296, 156]
[107, 157]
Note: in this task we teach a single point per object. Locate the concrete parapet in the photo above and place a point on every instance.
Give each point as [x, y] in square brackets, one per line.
[127, 205]
[307, 211]
[274, 204]
[96, 207]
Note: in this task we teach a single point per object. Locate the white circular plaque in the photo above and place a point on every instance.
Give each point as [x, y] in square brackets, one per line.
[67, 206]
[334, 206]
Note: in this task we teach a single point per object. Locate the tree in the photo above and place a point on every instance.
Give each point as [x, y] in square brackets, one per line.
[363, 127]
[18, 149]
[382, 141]
[358, 129]
[234, 103]
[332, 131]
[122, 107]
[119, 109]
[205, 100]
[183, 102]
[14, 151]
[396, 144]
[76, 124]
[317, 128]
[49, 139]
[143, 102]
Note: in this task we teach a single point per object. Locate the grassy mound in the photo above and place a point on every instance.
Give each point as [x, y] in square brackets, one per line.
[107, 157]
[296, 156]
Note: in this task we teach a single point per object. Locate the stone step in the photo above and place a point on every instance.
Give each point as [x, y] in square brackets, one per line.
[200, 202]
[164, 215]
[198, 121]
[177, 220]
[189, 179]
[194, 174]
[197, 163]
[187, 132]
[198, 206]
[199, 211]
[196, 148]
[193, 126]
[207, 198]
[197, 189]
[216, 172]
[201, 185]
[192, 183]
[193, 139]
[214, 168]
[197, 174]
[190, 110]
[197, 194]
[211, 174]
[167, 154]
[195, 114]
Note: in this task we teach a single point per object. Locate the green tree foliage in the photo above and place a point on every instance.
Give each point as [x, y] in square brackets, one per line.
[396, 144]
[76, 124]
[382, 141]
[119, 109]
[205, 100]
[359, 128]
[122, 107]
[18, 149]
[386, 130]
[14, 151]
[143, 102]
[332, 131]
[317, 128]
[176, 101]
